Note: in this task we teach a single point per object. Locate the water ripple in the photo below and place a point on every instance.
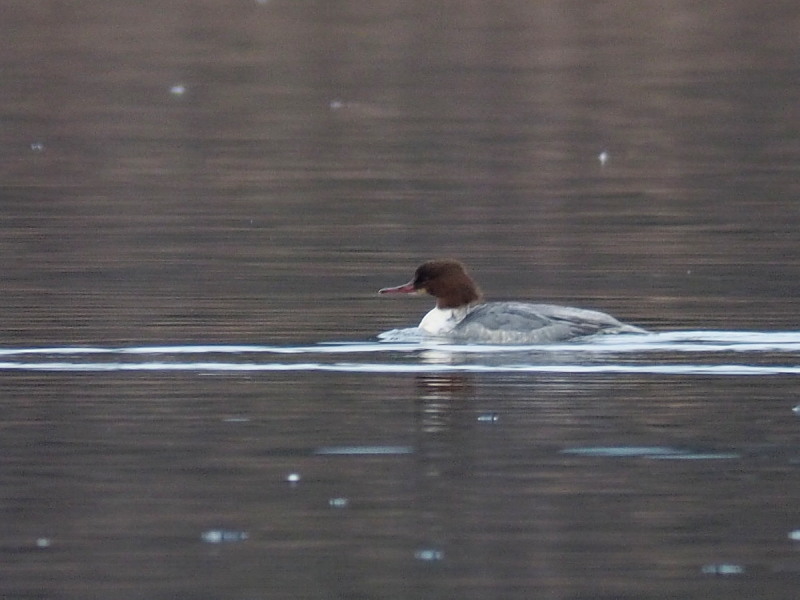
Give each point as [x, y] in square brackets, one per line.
[681, 352]
[404, 368]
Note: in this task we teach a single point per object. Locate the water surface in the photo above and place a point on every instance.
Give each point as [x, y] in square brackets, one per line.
[200, 200]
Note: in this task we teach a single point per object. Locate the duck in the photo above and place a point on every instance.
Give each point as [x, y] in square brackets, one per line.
[461, 314]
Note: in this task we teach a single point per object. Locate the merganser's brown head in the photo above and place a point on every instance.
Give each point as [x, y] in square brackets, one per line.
[446, 280]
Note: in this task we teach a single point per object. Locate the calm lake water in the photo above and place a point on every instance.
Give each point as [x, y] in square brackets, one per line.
[200, 201]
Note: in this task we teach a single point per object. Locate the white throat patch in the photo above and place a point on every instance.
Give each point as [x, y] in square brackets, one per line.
[442, 320]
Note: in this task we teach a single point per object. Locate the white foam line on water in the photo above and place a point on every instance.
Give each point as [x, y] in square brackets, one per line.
[718, 335]
[363, 450]
[221, 349]
[59, 350]
[338, 348]
[676, 341]
[407, 368]
[408, 348]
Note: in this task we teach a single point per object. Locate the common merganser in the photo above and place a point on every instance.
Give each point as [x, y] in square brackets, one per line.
[461, 315]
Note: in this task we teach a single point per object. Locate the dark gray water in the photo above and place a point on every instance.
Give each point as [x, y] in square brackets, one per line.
[199, 201]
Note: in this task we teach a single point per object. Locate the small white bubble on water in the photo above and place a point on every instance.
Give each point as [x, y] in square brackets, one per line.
[723, 569]
[336, 104]
[43, 542]
[603, 158]
[37, 146]
[177, 89]
[488, 418]
[338, 502]
[796, 410]
[219, 536]
[211, 537]
[429, 554]
[293, 478]
[795, 535]
[236, 420]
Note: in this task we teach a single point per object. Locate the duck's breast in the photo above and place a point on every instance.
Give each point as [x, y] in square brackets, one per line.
[441, 321]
